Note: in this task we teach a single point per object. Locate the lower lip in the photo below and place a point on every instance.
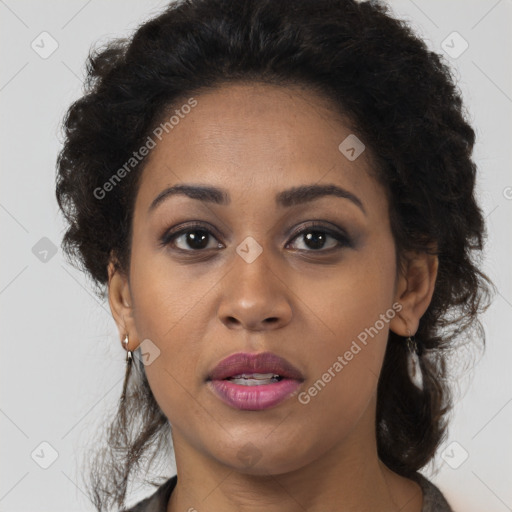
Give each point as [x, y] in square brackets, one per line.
[254, 398]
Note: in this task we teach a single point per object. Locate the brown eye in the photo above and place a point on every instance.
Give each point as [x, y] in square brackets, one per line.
[191, 239]
[317, 238]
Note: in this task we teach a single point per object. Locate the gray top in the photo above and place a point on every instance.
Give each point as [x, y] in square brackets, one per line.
[433, 499]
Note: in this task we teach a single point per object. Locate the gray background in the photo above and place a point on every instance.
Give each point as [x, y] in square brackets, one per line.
[62, 363]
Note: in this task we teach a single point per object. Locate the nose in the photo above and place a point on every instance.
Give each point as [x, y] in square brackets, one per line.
[254, 296]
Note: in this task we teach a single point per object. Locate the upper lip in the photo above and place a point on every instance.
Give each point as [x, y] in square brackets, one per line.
[262, 362]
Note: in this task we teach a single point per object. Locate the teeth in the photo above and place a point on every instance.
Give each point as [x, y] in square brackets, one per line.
[254, 376]
[253, 382]
[254, 379]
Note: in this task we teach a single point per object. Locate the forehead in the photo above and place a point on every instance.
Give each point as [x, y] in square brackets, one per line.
[253, 139]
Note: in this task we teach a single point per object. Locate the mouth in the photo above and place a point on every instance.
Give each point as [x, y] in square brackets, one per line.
[254, 381]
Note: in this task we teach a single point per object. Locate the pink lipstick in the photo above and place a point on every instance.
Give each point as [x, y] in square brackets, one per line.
[254, 381]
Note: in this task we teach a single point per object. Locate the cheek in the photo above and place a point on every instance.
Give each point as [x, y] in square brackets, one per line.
[353, 309]
[170, 312]
[349, 298]
[167, 296]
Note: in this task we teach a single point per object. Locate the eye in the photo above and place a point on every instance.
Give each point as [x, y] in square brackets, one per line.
[315, 236]
[194, 238]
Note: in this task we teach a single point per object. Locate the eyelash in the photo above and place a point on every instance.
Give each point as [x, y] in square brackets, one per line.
[342, 239]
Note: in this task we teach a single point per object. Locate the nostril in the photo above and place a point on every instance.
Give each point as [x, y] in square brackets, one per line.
[233, 322]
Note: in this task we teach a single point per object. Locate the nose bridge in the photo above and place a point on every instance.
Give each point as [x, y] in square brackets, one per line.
[252, 263]
[254, 297]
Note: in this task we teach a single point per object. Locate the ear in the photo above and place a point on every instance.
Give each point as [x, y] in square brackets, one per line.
[121, 305]
[414, 290]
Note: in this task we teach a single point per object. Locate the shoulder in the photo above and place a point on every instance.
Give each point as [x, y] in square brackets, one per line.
[156, 502]
[433, 498]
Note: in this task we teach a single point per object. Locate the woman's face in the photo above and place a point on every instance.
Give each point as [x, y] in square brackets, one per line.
[254, 276]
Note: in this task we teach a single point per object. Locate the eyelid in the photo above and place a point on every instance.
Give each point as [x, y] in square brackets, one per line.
[318, 226]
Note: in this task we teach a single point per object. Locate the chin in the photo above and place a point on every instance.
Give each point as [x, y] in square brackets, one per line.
[251, 460]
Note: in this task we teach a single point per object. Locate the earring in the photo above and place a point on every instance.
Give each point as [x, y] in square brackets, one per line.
[413, 363]
[129, 360]
[129, 353]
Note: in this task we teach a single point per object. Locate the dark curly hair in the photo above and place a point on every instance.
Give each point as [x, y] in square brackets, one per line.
[401, 100]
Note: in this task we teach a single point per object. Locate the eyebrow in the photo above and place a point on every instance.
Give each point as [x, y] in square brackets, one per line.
[286, 198]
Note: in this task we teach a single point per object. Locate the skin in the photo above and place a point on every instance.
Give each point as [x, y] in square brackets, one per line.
[300, 302]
